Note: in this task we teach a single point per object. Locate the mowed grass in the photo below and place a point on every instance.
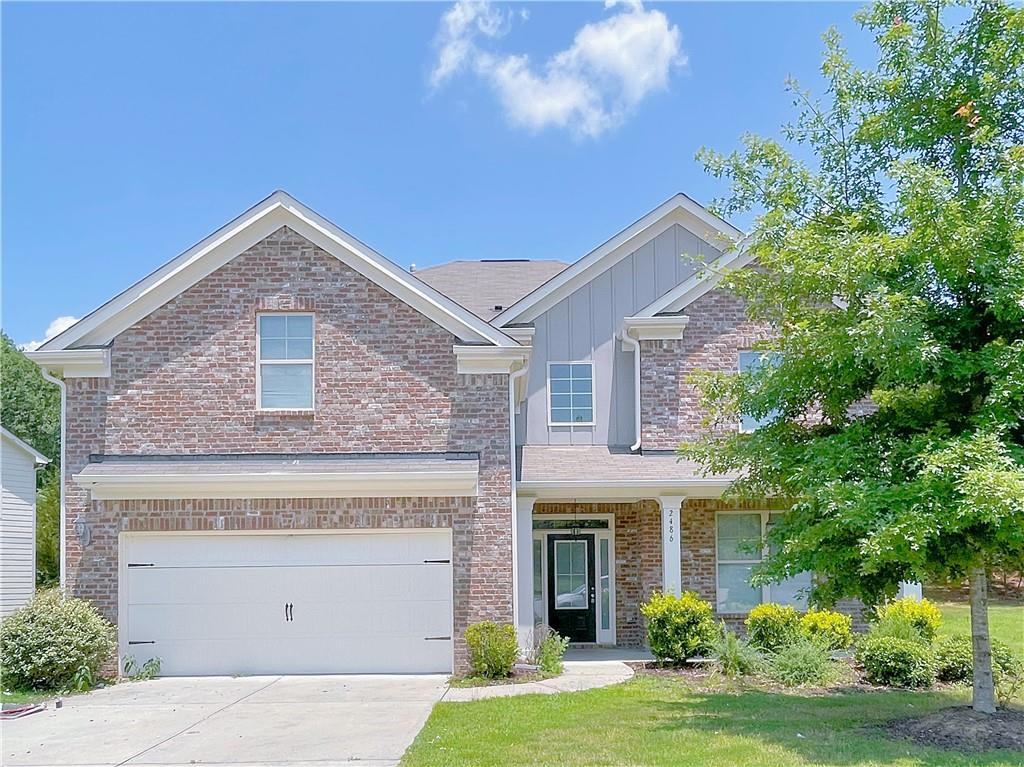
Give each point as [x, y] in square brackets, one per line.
[668, 721]
[1005, 622]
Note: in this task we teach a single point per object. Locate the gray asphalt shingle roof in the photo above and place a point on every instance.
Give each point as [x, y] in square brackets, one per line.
[488, 287]
[546, 463]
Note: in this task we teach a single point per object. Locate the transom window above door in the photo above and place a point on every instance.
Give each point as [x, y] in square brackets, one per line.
[571, 393]
[284, 361]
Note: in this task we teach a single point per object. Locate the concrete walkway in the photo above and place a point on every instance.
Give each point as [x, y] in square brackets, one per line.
[579, 675]
[309, 721]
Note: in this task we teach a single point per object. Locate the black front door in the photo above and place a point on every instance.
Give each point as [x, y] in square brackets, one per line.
[571, 605]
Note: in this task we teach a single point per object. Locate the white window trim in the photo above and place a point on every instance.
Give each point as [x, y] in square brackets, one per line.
[259, 362]
[765, 516]
[593, 397]
[604, 636]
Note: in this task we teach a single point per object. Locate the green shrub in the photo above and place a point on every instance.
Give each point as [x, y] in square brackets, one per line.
[54, 643]
[550, 652]
[954, 659]
[771, 626]
[678, 628]
[493, 649]
[923, 614]
[897, 627]
[896, 662]
[734, 656]
[803, 662]
[828, 627]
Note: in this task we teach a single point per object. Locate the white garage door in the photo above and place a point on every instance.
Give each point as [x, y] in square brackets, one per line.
[289, 604]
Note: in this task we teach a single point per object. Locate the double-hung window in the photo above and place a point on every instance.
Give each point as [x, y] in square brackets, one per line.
[750, 362]
[571, 393]
[739, 540]
[284, 361]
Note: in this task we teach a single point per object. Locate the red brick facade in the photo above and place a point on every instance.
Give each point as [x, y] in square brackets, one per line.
[183, 381]
[718, 330]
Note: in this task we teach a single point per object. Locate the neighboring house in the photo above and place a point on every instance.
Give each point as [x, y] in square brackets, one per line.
[284, 453]
[18, 464]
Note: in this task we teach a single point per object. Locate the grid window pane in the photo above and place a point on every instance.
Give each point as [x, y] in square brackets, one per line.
[739, 536]
[299, 326]
[273, 348]
[273, 325]
[575, 379]
[735, 594]
[750, 362]
[285, 339]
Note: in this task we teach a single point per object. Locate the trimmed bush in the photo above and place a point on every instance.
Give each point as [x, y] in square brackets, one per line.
[828, 627]
[734, 656]
[954, 659]
[771, 626]
[922, 614]
[896, 662]
[54, 643]
[803, 662]
[493, 649]
[678, 628]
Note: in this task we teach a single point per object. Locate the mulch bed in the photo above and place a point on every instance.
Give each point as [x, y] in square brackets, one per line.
[961, 729]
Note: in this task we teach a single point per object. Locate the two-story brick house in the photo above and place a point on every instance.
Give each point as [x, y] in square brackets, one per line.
[284, 453]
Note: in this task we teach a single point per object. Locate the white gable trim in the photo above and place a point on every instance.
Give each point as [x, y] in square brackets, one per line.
[699, 285]
[680, 209]
[22, 445]
[279, 209]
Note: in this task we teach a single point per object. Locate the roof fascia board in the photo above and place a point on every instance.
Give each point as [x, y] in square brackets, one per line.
[664, 328]
[490, 359]
[680, 209]
[73, 363]
[24, 446]
[378, 484]
[213, 252]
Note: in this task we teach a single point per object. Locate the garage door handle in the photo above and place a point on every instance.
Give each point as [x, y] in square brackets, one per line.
[288, 611]
[436, 639]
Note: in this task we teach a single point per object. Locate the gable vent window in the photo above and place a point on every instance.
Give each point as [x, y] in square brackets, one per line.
[571, 393]
[284, 361]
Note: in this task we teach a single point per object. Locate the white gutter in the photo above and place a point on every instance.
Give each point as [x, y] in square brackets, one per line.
[63, 450]
[635, 345]
[512, 378]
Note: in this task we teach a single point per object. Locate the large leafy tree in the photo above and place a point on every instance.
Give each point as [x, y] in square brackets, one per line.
[889, 246]
[30, 408]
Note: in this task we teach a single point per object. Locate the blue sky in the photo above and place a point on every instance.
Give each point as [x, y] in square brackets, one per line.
[430, 131]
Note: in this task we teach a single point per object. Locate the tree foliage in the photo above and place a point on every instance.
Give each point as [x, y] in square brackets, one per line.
[892, 265]
[30, 408]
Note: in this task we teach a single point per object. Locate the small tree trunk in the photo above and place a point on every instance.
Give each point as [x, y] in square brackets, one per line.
[984, 700]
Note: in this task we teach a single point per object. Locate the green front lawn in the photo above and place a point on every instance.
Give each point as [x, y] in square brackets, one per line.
[28, 696]
[1005, 622]
[668, 721]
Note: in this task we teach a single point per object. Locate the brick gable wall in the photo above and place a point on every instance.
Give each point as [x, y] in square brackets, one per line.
[183, 381]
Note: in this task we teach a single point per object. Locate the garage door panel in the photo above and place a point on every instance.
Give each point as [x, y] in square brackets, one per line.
[360, 603]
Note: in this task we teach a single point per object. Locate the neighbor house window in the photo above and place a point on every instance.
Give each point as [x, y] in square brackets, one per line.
[284, 361]
[750, 361]
[571, 393]
[739, 539]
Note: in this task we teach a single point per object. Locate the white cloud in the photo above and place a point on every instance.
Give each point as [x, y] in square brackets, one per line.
[588, 88]
[59, 325]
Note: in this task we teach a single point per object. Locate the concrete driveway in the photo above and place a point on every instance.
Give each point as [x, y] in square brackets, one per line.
[261, 721]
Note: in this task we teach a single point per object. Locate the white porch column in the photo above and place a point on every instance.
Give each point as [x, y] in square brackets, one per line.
[524, 568]
[671, 553]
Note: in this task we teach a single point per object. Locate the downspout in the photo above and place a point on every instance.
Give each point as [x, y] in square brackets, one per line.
[512, 378]
[63, 441]
[628, 340]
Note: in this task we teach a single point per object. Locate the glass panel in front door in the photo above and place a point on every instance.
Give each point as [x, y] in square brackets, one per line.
[571, 587]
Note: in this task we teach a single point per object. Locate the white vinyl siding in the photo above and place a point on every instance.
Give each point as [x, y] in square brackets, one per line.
[17, 528]
[738, 540]
[284, 361]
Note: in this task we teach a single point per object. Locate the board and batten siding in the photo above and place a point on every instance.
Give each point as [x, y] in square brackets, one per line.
[584, 327]
[17, 526]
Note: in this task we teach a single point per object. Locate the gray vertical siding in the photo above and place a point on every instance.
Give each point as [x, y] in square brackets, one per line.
[583, 328]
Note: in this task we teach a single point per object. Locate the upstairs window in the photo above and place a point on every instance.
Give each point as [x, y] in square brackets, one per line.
[571, 393]
[284, 361]
[751, 361]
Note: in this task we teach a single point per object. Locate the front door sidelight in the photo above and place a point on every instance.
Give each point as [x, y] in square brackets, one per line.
[571, 595]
